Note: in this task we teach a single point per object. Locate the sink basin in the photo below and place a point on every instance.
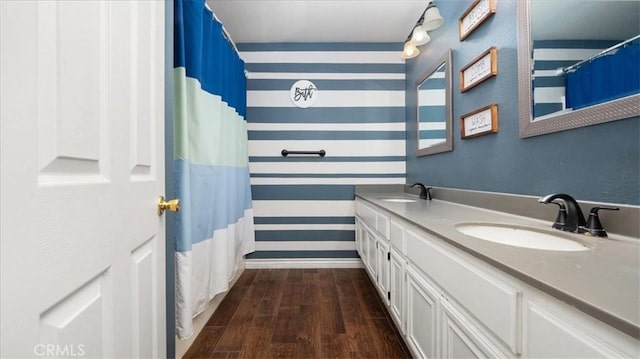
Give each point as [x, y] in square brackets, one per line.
[521, 237]
[399, 200]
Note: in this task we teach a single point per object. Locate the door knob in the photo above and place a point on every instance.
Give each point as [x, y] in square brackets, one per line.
[172, 205]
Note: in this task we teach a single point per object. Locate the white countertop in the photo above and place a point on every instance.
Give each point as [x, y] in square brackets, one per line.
[603, 282]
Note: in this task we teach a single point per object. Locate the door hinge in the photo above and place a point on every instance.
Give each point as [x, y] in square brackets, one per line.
[389, 295]
[388, 256]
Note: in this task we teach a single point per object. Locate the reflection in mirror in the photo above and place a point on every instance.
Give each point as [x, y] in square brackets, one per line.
[434, 108]
[566, 55]
[431, 109]
[577, 70]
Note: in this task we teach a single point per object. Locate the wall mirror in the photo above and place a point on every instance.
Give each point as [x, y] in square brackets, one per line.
[577, 63]
[434, 108]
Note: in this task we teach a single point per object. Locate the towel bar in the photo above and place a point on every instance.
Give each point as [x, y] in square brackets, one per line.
[320, 153]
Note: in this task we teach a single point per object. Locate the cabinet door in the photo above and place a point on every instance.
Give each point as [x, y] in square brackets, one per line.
[462, 339]
[396, 289]
[383, 269]
[364, 244]
[422, 309]
[372, 262]
[359, 235]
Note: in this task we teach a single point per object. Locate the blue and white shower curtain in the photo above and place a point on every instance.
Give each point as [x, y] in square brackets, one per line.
[211, 163]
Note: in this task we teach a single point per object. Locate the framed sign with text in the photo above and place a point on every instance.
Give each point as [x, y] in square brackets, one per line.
[479, 69]
[475, 15]
[479, 122]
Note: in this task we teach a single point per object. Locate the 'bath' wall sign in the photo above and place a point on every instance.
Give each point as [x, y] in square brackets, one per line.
[303, 93]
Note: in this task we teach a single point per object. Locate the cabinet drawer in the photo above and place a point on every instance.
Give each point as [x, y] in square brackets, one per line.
[499, 310]
[549, 335]
[382, 225]
[396, 234]
[366, 213]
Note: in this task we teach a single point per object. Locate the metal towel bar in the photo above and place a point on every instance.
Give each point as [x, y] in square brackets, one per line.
[320, 153]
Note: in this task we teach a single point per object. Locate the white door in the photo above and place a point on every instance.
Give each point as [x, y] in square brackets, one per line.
[82, 154]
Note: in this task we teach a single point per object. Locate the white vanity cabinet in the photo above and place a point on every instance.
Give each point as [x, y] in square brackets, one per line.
[448, 304]
[373, 233]
[475, 313]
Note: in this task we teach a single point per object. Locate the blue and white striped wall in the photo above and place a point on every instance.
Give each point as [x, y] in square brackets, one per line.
[304, 205]
[548, 57]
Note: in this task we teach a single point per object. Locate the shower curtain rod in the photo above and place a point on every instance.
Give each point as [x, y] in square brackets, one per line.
[224, 30]
[576, 65]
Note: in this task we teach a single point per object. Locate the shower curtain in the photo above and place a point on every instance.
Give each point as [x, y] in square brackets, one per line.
[211, 163]
[604, 78]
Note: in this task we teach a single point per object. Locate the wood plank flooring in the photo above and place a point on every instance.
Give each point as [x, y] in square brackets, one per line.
[300, 313]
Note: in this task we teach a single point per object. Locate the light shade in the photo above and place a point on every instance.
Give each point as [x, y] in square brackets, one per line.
[410, 50]
[432, 18]
[420, 36]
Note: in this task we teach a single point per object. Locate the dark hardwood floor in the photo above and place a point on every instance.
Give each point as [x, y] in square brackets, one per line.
[300, 313]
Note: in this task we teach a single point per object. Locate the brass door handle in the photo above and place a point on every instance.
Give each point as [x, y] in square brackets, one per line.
[172, 205]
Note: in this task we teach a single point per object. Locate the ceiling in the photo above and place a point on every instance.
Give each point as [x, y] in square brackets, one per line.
[265, 21]
[585, 19]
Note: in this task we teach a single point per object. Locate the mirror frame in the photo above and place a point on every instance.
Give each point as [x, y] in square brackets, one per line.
[447, 145]
[618, 109]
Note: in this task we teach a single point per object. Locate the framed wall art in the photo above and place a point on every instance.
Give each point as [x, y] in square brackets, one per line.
[479, 69]
[474, 16]
[479, 122]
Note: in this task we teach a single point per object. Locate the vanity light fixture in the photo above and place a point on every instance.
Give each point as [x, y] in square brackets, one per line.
[429, 20]
[420, 36]
[410, 49]
[432, 18]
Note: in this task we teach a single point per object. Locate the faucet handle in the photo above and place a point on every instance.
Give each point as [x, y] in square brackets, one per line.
[594, 226]
[561, 218]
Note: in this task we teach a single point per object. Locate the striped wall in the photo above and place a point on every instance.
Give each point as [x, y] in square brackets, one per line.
[548, 57]
[304, 205]
[432, 109]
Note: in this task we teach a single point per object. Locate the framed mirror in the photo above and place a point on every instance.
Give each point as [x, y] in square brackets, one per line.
[434, 108]
[574, 71]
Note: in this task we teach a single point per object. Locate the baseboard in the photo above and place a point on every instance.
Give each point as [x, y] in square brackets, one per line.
[182, 345]
[291, 263]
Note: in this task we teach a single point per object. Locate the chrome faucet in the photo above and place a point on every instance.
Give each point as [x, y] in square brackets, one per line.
[425, 192]
[573, 219]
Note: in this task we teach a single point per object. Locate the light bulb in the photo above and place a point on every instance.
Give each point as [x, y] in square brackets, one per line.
[410, 50]
[420, 36]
